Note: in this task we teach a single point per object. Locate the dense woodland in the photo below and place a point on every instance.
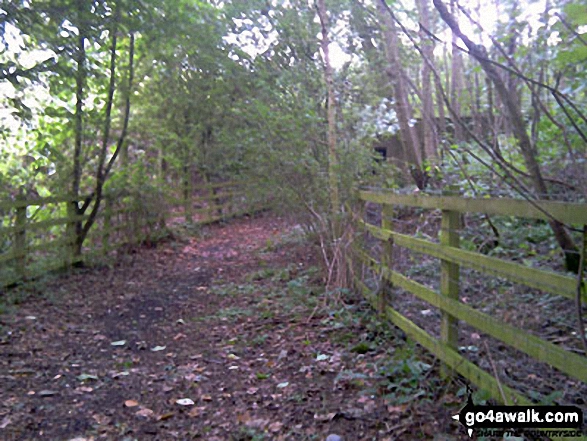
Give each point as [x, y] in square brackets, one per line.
[327, 113]
[487, 98]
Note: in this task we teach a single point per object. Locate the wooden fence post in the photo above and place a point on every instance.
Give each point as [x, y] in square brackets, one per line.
[20, 239]
[384, 294]
[188, 203]
[211, 200]
[449, 281]
[71, 232]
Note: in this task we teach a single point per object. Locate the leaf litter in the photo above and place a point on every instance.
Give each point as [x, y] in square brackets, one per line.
[248, 363]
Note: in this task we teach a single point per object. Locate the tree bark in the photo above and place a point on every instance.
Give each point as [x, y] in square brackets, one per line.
[430, 139]
[80, 80]
[103, 168]
[408, 135]
[333, 167]
[456, 83]
[511, 103]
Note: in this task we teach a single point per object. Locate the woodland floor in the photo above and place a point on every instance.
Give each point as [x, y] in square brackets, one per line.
[230, 317]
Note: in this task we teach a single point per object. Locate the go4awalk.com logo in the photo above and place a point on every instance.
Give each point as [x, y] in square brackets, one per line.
[546, 421]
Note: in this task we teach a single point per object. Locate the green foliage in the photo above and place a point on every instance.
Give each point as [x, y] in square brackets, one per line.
[404, 376]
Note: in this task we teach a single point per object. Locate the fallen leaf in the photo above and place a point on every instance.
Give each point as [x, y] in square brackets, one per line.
[5, 422]
[282, 385]
[145, 413]
[196, 412]
[243, 417]
[102, 419]
[257, 424]
[158, 348]
[118, 343]
[165, 416]
[131, 403]
[47, 393]
[275, 427]
[85, 377]
[206, 398]
[327, 417]
[185, 402]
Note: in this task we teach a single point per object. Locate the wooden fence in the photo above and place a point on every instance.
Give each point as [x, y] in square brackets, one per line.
[447, 298]
[37, 235]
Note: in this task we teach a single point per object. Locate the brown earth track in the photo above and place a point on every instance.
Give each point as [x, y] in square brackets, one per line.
[240, 347]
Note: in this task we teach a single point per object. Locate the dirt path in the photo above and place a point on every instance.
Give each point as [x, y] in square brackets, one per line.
[209, 338]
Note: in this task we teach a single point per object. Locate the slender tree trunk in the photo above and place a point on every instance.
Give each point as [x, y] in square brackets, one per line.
[476, 107]
[456, 83]
[103, 168]
[430, 139]
[333, 167]
[80, 80]
[408, 135]
[512, 104]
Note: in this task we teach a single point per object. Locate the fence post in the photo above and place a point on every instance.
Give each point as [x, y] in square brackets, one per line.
[449, 281]
[20, 238]
[71, 232]
[107, 225]
[384, 294]
[188, 204]
[211, 201]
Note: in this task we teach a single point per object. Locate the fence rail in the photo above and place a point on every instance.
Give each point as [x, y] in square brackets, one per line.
[37, 235]
[446, 299]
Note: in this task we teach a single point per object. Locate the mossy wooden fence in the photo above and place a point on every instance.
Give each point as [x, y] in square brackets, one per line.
[37, 235]
[447, 299]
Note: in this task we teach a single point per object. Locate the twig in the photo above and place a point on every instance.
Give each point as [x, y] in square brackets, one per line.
[494, 368]
[570, 28]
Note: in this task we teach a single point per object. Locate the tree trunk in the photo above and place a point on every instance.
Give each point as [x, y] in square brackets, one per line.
[80, 80]
[103, 168]
[512, 105]
[456, 85]
[333, 167]
[408, 135]
[430, 140]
